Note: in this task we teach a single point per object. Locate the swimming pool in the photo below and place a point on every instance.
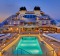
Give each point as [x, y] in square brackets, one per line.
[28, 45]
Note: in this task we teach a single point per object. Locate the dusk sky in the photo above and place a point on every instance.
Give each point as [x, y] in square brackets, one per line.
[10, 7]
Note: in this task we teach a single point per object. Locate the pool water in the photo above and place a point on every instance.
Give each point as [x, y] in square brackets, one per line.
[28, 45]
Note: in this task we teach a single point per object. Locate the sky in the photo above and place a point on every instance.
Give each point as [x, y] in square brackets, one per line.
[10, 7]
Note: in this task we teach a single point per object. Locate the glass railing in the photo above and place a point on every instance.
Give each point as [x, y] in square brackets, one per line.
[20, 52]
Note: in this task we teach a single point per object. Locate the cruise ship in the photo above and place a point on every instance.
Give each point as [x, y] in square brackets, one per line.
[27, 33]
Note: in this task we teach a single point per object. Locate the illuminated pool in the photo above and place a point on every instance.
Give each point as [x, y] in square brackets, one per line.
[28, 45]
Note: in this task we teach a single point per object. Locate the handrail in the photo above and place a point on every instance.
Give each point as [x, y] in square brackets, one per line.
[24, 50]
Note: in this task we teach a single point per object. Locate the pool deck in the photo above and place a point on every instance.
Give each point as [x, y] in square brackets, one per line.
[40, 39]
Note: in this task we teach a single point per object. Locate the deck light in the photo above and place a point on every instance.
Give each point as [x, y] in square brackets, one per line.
[29, 33]
[51, 44]
[4, 44]
[11, 28]
[17, 28]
